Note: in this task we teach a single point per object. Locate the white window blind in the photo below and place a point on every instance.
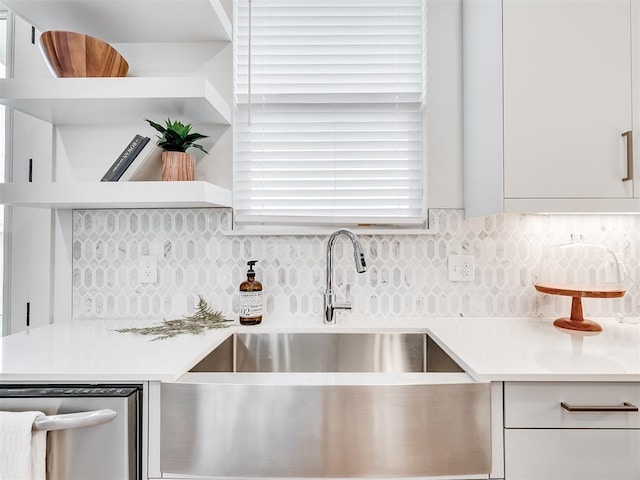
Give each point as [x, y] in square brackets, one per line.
[328, 111]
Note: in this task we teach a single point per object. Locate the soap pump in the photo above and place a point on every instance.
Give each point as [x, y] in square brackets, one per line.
[251, 298]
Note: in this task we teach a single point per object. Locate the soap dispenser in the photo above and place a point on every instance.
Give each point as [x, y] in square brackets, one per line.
[251, 298]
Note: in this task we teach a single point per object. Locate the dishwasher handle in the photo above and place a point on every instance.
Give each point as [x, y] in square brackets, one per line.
[74, 420]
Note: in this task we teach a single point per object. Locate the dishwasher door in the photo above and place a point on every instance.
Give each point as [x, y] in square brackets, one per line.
[108, 451]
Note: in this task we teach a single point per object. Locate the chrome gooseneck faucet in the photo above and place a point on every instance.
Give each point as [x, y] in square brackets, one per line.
[330, 305]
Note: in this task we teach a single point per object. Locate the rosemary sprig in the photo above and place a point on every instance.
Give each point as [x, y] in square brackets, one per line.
[203, 319]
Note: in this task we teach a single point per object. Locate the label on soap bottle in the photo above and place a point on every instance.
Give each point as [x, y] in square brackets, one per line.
[251, 304]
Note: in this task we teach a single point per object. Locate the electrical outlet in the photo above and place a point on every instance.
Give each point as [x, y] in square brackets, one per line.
[461, 268]
[148, 269]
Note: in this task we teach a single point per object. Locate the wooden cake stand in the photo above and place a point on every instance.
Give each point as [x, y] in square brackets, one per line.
[577, 321]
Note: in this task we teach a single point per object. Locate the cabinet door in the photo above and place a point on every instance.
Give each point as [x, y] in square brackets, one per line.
[567, 98]
[569, 454]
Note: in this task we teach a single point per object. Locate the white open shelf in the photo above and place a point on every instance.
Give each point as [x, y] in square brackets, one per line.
[130, 21]
[93, 195]
[100, 101]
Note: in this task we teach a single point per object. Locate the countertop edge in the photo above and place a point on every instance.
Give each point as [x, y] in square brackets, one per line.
[542, 349]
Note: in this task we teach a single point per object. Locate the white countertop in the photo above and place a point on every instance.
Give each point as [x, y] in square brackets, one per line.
[91, 350]
[507, 349]
[535, 350]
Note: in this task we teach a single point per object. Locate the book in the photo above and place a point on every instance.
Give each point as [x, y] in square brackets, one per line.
[146, 166]
[125, 158]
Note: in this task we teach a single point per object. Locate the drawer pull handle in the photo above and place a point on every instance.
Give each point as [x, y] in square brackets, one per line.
[625, 407]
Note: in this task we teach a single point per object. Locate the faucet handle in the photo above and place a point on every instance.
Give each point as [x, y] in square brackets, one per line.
[346, 305]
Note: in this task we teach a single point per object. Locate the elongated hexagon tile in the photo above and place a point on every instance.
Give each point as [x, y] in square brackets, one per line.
[407, 275]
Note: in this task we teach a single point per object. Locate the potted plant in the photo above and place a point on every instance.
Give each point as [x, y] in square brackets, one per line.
[176, 138]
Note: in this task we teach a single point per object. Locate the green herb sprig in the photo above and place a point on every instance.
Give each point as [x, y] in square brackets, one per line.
[203, 319]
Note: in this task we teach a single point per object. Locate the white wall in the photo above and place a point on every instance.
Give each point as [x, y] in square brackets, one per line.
[444, 104]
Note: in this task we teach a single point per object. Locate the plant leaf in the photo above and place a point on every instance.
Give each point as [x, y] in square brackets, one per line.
[176, 136]
[194, 136]
[155, 125]
[199, 147]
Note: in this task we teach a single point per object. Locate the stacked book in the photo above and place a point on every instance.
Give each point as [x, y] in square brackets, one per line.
[141, 160]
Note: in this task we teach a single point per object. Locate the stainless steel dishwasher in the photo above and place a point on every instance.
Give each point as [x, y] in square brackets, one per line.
[93, 431]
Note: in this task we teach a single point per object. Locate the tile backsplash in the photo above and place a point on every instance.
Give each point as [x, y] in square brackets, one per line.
[407, 275]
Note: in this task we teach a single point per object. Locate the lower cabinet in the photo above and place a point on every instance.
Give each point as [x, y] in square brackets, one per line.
[564, 454]
[572, 431]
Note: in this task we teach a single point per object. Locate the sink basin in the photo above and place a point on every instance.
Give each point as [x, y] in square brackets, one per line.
[322, 405]
[328, 352]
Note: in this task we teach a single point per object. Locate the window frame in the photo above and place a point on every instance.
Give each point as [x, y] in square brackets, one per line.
[283, 224]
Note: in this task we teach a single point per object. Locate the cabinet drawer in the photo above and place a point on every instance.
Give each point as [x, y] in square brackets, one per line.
[567, 454]
[538, 405]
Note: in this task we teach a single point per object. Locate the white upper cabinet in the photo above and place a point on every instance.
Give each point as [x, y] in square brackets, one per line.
[548, 96]
[567, 98]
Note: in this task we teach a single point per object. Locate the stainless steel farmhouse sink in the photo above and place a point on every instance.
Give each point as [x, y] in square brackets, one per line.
[328, 352]
[320, 405]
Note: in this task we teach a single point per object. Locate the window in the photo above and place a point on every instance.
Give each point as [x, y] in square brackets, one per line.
[328, 122]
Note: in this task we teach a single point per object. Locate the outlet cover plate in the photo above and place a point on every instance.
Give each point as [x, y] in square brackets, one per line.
[461, 268]
[148, 269]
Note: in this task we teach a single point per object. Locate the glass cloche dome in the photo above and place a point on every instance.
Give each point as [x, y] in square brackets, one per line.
[577, 270]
